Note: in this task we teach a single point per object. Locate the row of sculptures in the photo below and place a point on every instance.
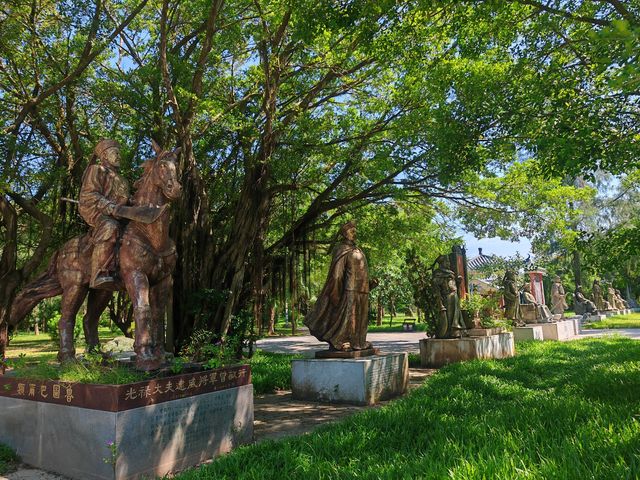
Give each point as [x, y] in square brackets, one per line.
[582, 305]
[340, 315]
[128, 247]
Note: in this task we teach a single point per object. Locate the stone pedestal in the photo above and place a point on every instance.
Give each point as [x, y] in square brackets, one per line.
[577, 324]
[348, 354]
[596, 317]
[529, 332]
[154, 427]
[563, 330]
[437, 352]
[359, 381]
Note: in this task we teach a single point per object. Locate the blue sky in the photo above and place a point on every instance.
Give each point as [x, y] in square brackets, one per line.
[495, 246]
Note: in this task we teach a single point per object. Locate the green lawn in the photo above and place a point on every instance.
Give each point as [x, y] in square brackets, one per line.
[559, 410]
[41, 347]
[619, 321]
[397, 324]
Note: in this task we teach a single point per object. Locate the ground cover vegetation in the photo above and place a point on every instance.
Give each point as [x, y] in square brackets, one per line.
[8, 459]
[557, 410]
[293, 116]
[34, 357]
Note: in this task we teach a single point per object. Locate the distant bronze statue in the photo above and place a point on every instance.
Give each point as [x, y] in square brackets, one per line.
[511, 298]
[542, 312]
[612, 299]
[558, 298]
[581, 304]
[341, 314]
[147, 256]
[597, 297]
[622, 303]
[447, 311]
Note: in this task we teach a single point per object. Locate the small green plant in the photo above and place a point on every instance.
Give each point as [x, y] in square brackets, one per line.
[8, 459]
[19, 362]
[177, 365]
[113, 453]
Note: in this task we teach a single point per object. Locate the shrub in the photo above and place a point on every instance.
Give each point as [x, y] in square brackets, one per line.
[52, 328]
[8, 459]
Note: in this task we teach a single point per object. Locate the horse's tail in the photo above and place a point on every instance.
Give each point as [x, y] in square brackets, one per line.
[45, 286]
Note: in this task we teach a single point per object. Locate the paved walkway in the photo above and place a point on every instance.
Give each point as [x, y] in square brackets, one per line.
[307, 344]
[397, 341]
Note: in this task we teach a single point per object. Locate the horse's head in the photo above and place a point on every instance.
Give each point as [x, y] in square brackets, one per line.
[165, 172]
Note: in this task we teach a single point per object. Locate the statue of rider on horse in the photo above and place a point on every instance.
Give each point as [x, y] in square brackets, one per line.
[92, 264]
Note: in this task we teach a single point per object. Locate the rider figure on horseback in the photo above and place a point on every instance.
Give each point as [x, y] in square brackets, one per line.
[103, 191]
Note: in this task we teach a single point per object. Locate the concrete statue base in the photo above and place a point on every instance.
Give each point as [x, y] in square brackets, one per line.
[437, 352]
[120, 432]
[528, 332]
[348, 354]
[563, 330]
[359, 381]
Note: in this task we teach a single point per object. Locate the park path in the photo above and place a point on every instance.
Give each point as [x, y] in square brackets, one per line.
[277, 415]
[398, 341]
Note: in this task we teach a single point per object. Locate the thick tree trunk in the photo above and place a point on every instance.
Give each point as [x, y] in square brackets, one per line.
[249, 227]
[191, 231]
[577, 270]
[272, 318]
[12, 277]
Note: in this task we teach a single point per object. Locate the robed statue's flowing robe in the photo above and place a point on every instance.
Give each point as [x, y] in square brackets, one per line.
[340, 316]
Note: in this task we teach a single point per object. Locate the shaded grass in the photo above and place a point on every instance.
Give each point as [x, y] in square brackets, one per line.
[619, 321]
[556, 411]
[271, 371]
[8, 459]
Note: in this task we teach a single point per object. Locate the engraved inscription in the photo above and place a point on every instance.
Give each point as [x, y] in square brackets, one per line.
[194, 422]
[380, 376]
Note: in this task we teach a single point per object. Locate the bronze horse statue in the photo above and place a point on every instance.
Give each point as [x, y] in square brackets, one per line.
[147, 258]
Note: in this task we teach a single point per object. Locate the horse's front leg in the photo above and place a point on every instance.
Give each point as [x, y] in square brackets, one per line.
[96, 303]
[137, 285]
[72, 298]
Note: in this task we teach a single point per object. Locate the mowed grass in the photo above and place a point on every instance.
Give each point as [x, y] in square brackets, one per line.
[567, 410]
[41, 347]
[631, 320]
